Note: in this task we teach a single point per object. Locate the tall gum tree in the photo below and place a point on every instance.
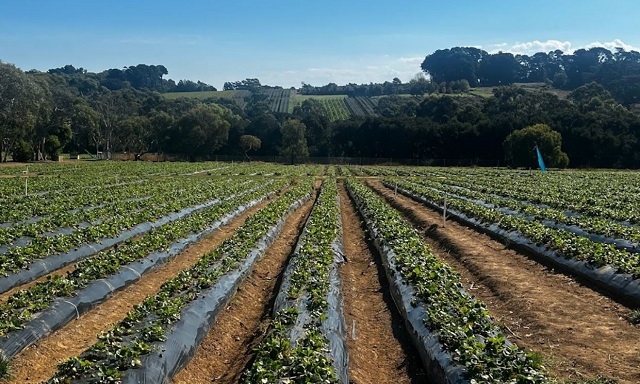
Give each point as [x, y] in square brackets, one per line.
[294, 142]
[18, 107]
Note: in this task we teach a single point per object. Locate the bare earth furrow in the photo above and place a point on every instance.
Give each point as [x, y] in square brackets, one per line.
[579, 332]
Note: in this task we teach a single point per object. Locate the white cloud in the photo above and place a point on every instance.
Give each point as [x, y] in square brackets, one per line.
[612, 45]
[380, 68]
[364, 70]
[411, 60]
[531, 47]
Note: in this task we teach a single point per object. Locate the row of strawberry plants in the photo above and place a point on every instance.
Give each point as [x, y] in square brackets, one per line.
[38, 205]
[593, 224]
[112, 267]
[40, 266]
[600, 194]
[60, 204]
[62, 216]
[42, 246]
[459, 322]
[566, 244]
[132, 341]
[12, 188]
[27, 304]
[306, 343]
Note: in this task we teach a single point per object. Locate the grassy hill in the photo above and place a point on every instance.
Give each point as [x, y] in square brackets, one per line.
[339, 107]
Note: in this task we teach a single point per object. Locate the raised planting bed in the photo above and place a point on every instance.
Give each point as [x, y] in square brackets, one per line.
[453, 332]
[615, 270]
[31, 314]
[307, 339]
[161, 334]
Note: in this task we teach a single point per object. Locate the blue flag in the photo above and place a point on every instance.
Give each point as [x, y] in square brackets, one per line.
[540, 161]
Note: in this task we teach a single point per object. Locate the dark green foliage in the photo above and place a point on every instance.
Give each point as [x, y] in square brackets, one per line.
[519, 147]
[249, 143]
[118, 110]
[498, 69]
[634, 316]
[266, 128]
[618, 71]
[455, 64]
[201, 131]
[190, 86]
[247, 84]
[22, 151]
[294, 141]
[5, 368]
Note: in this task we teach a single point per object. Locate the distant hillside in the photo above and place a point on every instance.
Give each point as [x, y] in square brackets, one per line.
[533, 87]
[336, 107]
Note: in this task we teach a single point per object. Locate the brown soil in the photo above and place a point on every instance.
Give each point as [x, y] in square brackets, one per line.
[12, 164]
[38, 362]
[58, 272]
[225, 352]
[381, 351]
[580, 333]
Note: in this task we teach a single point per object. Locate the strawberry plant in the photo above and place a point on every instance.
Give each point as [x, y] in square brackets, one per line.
[461, 322]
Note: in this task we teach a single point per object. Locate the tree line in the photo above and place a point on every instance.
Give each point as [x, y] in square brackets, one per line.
[45, 113]
[141, 77]
[617, 71]
[418, 85]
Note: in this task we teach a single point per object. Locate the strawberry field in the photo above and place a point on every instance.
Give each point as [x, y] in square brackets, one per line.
[116, 272]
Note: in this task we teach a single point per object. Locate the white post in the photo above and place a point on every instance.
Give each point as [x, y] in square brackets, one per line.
[444, 213]
[353, 330]
[26, 179]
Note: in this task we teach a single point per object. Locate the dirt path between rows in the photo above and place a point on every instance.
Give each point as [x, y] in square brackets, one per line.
[381, 351]
[227, 349]
[580, 333]
[38, 362]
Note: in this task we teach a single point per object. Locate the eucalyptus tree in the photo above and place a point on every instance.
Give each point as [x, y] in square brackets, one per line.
[19, 97]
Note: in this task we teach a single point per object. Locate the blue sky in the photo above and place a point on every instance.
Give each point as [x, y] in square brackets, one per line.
[288, 42]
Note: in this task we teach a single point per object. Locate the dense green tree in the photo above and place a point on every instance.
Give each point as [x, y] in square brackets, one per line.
[160, 125]
[318, 129]
[201, 131]
[583, 65]
[52, 130]
[439, 108]
[294, 141]
[22, 151]
[85, 126]
[257, 105]
[498, 69]
[251, 84]
[459, 86]
[419, 85]
[266, 128]
[190, 86]
[144, 76]
[454, 64]
[19, 108]
[137, 136]
[397, 106]
[249, 143]
[520, 146]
